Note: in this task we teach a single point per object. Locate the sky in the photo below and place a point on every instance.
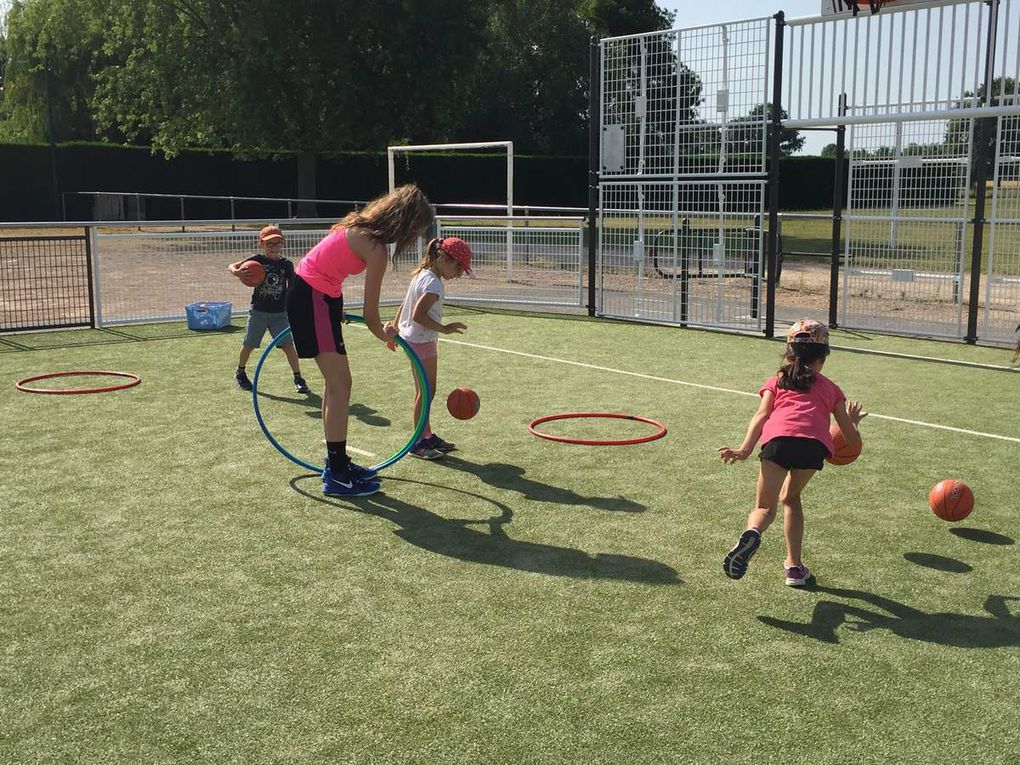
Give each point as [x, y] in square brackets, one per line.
[696, 13]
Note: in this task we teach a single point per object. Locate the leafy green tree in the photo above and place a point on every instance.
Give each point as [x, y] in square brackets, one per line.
[829, 150]
[61, 36]
[744, 134]
[1004, 90]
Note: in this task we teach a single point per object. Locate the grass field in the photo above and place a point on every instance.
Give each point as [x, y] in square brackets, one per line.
[174, 590]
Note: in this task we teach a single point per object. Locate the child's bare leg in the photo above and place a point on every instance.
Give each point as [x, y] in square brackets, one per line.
[770, 481]
[431, 366]
[793, 514]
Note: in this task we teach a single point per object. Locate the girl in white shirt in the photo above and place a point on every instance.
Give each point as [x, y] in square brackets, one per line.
[419, 322]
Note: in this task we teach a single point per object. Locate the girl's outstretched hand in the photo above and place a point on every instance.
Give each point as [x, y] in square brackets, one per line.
[729, 456]
[454, 327]
[857, 414]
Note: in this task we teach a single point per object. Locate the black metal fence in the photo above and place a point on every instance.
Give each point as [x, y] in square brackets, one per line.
[47, 283]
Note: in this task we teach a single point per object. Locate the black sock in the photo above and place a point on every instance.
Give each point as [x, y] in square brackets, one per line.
[336, 452]
[240, 369]
[297, 375]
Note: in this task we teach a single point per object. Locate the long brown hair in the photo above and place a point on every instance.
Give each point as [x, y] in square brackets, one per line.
[396, 218]
[795, 372]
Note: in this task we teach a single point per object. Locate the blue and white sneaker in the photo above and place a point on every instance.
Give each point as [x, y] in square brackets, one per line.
[735, 562]
[364, 473]
[344, 483]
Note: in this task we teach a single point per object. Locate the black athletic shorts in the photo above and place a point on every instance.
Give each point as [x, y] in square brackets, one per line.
[315, 320]
[795, 453]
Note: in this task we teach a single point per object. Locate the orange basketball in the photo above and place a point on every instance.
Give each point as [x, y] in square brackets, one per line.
[841, 453]
[256, 273]
[463, 403]
[951, 500]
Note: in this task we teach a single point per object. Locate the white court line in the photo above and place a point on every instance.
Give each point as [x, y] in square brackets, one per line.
[996, 436]
[362, 452]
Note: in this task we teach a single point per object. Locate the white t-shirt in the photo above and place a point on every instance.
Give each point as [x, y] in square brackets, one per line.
[423, 282]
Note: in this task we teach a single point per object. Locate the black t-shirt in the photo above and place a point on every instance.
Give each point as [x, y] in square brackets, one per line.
[271, 295]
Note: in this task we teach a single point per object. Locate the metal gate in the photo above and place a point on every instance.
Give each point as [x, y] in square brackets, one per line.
[925, 92]
[683, 125]
[907, 217]
[47, 283]
[1001, 315]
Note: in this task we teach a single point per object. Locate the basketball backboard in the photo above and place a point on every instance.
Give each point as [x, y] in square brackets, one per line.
[865, 7]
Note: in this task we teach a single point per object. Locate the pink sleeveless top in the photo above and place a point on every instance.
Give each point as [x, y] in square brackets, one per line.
[329, 262]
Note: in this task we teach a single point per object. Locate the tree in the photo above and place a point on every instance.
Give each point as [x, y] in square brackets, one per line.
[1004, 91]
[829, 150]
[744, 135]
[62, 36]
[609, 18]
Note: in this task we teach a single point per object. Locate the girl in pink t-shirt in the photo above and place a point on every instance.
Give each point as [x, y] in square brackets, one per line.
[315, 309]
[792, 422]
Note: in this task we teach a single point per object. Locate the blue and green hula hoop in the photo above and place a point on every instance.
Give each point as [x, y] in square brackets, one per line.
[420, 376]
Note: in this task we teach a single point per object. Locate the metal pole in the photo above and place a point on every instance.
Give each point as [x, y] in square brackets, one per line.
[984, 126]
[55, 178]
[837, 215]
[774, 136]
[594, 128]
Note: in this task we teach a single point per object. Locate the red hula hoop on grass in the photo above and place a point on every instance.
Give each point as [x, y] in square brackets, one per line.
[659, 433]
[133, 380]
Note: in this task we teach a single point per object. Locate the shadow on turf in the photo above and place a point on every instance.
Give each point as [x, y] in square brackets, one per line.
[504, 476]
[454, 538]
[980, 535]
[938, 562]
[365, 414]
[1000, 628]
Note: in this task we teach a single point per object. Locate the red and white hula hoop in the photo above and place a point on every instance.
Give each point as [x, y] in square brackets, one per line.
[659, 432]
[133, 380]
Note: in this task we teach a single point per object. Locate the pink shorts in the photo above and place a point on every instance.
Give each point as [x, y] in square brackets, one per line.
[425, 350]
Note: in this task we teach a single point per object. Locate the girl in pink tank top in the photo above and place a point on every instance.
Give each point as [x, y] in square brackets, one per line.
[792, 422]
[315, 310]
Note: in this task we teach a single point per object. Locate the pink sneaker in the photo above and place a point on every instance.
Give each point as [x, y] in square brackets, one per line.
[797, 576]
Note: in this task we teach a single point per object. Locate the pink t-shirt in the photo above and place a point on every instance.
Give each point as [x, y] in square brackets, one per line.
[801, 414]
[329, 262]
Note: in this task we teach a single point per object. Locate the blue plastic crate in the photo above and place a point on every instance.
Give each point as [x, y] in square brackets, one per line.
[208, 315]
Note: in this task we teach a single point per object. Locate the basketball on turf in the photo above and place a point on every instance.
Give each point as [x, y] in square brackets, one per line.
[951, 500]
[463, 403]
[256, 273]
[842, 454]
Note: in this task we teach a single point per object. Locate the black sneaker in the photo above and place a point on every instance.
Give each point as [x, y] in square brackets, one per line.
[437, 443]
[300, 385]
[424, 450]
[735, 562]
[242, 379]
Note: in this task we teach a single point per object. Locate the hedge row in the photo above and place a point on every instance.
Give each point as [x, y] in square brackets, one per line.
[27, 193]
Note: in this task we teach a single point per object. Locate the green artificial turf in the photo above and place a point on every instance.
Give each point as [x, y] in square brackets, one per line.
[173, 590]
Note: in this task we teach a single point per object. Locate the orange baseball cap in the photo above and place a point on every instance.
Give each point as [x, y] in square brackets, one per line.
[272, 231]
[459, 250]
[808, 331]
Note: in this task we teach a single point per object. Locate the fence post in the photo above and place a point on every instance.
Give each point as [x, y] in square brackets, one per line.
[837, 215]
[594, 126]
[982, 126]
[773, 182]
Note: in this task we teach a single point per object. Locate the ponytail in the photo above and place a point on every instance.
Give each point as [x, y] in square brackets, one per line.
[430, 257]
[795, 372]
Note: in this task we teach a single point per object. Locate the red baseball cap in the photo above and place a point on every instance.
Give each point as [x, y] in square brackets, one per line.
[272, 231]
[459, 250]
